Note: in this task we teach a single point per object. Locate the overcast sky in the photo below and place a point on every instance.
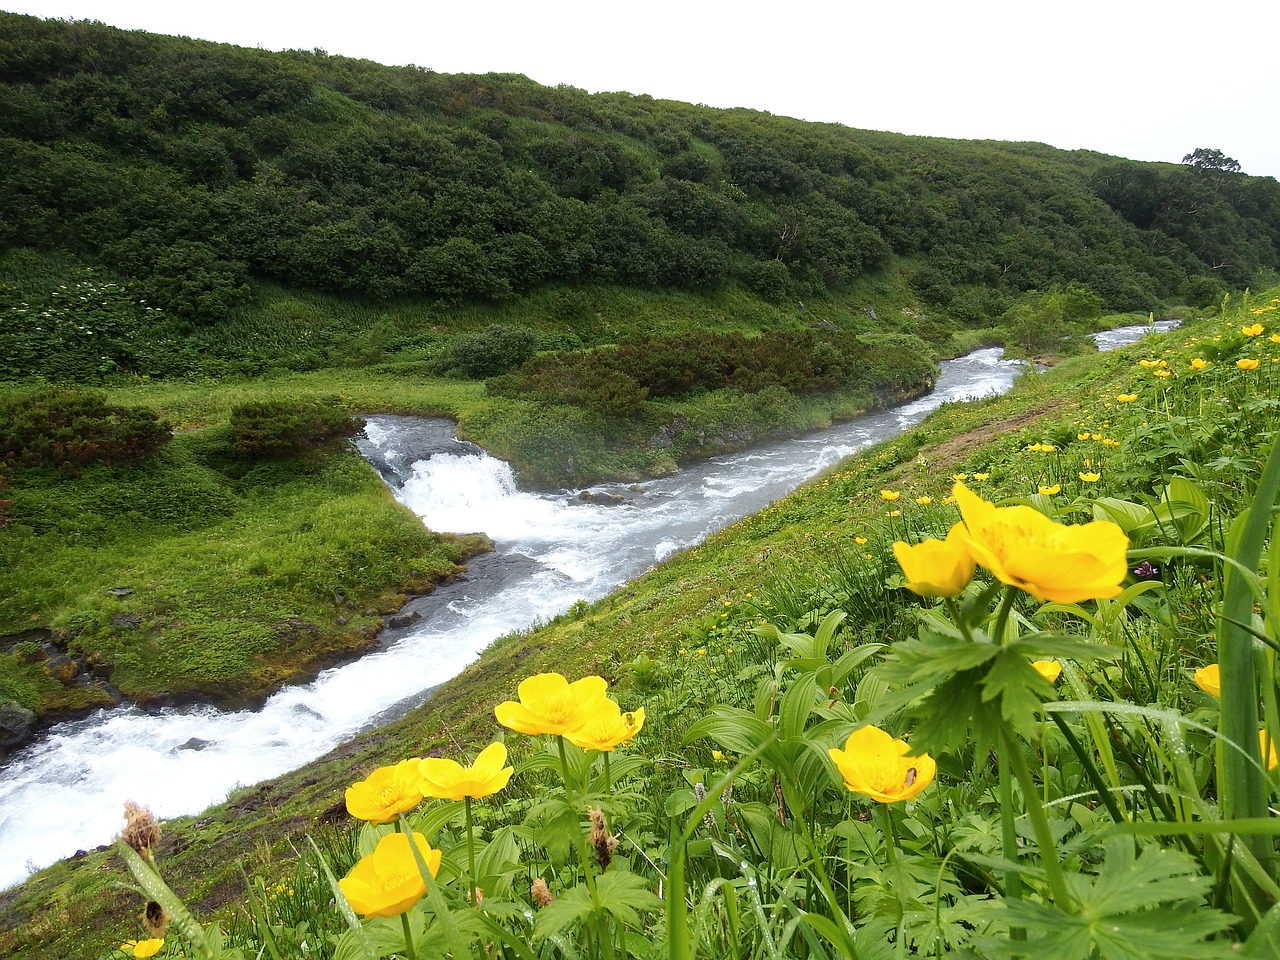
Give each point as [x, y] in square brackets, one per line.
[1140, 79]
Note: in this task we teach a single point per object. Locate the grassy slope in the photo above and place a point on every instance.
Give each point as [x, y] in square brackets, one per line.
[59, 912]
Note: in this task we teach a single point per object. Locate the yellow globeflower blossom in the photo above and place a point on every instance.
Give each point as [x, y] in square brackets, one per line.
[1049, 669]
[1162, 373]
[386, 793]
[890, 495]
[860, 541]
[1051, 561]
[607, 728]
[1126, 397]
[1199, 363]
[388, 882]
[1148, 363]
[1091, 477]
[1110, 442]
[924, 501]
[551, 704]
[1268, 748]
[1247, 363]
[142, 948]
[959, 477]
[981, 476]
[876, 765]
[1274, 338]
[1083, 436]
[1209, 679]
[449, 780]
[1049, 491]
[1253, 330]
[936, 568]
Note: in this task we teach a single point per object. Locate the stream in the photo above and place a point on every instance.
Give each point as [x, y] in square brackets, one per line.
[66, 791]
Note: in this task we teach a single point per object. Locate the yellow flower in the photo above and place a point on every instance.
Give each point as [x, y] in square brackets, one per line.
[388, 882]
[860, 541]
[551, 704]
[386, 793]
[924, 501]
[607, 728]
[449, 780]
[981, 476]
[1268, 748]
[1110, 442]
[1126, 397]
[1049, 669]
[1049, 491]
[876, 765]
[1083, 436]
[1148, 363]
[1274, 338]
[1163, 373]
[1253, 330]
[1209, 679]
[936, 568]
[959, 477]
[1199, 363]
[1247, 363]
[1091, 477]
[894, 513]
[1051, 561]
[890, 495]
[142, 948]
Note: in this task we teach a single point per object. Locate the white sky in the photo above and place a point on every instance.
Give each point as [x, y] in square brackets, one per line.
[1143, 79]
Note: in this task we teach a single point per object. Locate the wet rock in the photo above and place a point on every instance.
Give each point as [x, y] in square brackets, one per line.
[16, 724]
[195, 743]
[340, 621]
[405, 620]
[61, 668]
[601, 498]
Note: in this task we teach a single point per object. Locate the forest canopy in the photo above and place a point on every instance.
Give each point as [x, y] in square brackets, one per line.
[199, 170]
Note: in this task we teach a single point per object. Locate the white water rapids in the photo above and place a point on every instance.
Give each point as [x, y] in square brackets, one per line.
[66, 791]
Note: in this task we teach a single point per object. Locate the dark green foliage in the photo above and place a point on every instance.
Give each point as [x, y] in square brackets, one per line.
[494, 350]
[285, 428]
[69, 430]
[196, 169]
[617, 380]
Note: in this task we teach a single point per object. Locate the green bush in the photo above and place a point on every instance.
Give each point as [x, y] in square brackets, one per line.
[68, 429]
[493, 351]
[285, 428]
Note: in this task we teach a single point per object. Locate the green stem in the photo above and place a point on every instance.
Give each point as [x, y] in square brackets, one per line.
[890, 838]
[584, 860]
[1002, 618]
[608, 777]
[1040, 824]
[1008, 830]
[408, 937]
[471, 854]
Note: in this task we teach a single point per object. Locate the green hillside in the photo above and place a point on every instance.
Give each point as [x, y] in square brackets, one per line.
[215, 260]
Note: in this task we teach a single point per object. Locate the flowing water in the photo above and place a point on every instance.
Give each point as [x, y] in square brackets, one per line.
[66, 791]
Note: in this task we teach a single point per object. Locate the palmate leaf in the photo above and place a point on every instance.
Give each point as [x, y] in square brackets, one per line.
[1143, 907]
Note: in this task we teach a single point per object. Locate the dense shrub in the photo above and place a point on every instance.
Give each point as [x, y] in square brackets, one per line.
[285, 428]
[800, 362]
[69, 429]
[494, 350]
